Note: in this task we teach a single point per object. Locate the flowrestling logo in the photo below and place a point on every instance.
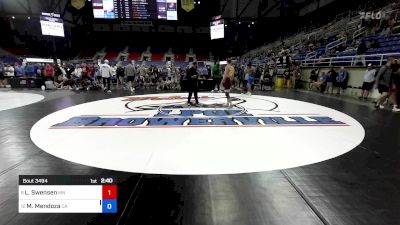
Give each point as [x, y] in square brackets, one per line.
[372, 15]
[174, 112]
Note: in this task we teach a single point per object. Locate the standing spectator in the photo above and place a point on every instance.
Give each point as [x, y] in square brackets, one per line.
[58, 73]
[258, 72]
[361, 50]
[2, 83]
[36, 69]
[331, 77]
[192, 77]
[297, 76]
[216, 76]
[85, 76]
[39, 71]
[313, 77]
[19, 70]
[383, 82]
[130, 72]
[396, 88]
[227, 81]
[49, 72]
[69, 69]
[369, 80]
[91, 71]
[105, 72]
[341, 80]
[113, 71]
[78, 72]
[267, 80]
[394, 84]
[241, 75]
[9, 73]
[120, 74]
[29, 70]
[321, 84]
[143, 72]
[249, 78]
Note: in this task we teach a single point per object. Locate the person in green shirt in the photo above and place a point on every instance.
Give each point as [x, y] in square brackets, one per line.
[217, 77]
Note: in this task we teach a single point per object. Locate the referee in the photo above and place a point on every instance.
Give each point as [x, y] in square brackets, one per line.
[192, 77]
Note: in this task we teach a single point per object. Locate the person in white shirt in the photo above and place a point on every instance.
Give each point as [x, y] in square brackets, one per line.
[105, 72]
[9, 71]
[369, 81]
[113, 70]
[78, 72]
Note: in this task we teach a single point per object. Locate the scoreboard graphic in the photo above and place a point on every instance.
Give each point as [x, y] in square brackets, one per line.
[67, 194]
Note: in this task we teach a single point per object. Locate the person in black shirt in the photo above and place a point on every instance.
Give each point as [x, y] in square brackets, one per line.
[120, 74]
[361, 50]
[192, 77]
[396, 83]
[69, 70]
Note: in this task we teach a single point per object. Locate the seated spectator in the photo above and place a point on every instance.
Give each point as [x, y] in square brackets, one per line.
[267, 81]
[375, 44]
[386, 31]
[369, 81]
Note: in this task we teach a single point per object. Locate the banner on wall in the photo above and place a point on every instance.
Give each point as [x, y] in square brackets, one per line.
[187, 5]
[78, 4]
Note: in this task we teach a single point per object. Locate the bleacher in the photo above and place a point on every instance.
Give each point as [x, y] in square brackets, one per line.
[134, 56]
[18, 51]
[87, 54]
[111, 56]
[180, 57]
[337, 42]
[112, 53]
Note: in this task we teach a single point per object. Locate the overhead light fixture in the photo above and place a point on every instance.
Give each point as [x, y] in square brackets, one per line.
[249, 25]
[29, 17]
[240, 22]
[252, 22]
[226, 25]
[13, 17]
[198, 2]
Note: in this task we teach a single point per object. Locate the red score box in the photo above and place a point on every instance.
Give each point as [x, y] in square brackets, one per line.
[109, 191]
